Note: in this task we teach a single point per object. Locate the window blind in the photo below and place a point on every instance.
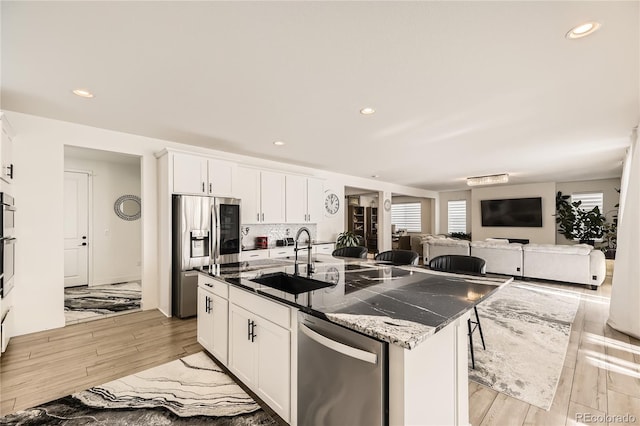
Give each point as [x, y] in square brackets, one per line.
[407, 216]
[589, 200]
[457, 216]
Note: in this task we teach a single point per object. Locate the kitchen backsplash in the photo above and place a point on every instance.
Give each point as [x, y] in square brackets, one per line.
[273, 232]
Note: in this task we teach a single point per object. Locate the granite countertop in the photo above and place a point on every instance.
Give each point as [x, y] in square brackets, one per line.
[402, 305]
[301, 243]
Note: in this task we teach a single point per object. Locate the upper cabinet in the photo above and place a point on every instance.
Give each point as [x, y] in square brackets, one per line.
[6, 151]
[303, 199]
[262, 194]
[193, 174]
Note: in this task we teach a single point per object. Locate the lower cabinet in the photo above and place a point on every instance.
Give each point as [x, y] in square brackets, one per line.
[260, 350]
[213, 320]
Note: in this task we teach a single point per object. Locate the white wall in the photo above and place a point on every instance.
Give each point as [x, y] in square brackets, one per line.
[39, 160]
[543, 235]
[444, 198]
[116, 244]
[606, 186]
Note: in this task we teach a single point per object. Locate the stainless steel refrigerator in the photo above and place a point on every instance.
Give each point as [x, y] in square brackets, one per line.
[205, 233]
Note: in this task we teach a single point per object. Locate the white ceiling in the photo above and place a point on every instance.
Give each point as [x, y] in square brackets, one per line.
[460, 88]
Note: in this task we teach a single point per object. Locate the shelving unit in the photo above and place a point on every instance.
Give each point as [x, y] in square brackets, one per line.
[372, 229]
[356, 223]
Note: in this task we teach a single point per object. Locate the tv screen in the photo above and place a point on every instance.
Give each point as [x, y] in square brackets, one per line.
[517, 212]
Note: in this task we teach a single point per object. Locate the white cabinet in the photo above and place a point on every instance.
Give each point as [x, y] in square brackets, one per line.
[193, 174]
[303, 199]
[6, 151]
[260, 348]
[282, 252]
[262, 194]
[213, 317]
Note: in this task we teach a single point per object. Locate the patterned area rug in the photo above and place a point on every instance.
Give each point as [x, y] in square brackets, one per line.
[526, 329]
[190, 391]
[88, 303]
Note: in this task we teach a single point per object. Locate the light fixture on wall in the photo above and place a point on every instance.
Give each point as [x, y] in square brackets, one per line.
[487, 180]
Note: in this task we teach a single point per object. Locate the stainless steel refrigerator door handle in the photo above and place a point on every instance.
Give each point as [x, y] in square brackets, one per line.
[347, 350]
[216, 212]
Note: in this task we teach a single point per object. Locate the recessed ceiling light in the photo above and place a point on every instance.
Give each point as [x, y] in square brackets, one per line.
[278, 143]
[375, 176]
[583, 30]
[367, 111]
[83, 93]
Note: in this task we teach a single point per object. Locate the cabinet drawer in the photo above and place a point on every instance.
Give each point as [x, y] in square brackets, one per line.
[267, 309]
[213, 285]
[323, 249]
[254, 254]
[282, 252]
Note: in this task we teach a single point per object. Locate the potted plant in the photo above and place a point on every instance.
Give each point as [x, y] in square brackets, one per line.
[578, 224]
[347, 239]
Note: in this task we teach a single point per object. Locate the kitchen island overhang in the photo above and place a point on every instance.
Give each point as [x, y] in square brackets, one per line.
[422, 314]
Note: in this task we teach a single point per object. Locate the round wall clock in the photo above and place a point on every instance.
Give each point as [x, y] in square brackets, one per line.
[331, 203]
[387, 204]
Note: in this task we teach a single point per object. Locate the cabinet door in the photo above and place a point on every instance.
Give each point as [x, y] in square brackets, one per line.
[273, 382]
[189, 174]
[248, 190]
[315, 200]
[205, 320]
[220, 312]
[221, 174]
[6, 161]
[272, 187]
[241, 349]
[296, 199]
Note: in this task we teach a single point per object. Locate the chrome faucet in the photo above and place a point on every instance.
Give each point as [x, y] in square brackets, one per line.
[308, 248]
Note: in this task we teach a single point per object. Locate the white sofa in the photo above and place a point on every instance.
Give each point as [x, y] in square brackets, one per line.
[580, 263]
[501, 257]
[437, 246]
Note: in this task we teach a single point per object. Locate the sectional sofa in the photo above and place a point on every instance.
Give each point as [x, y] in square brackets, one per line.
[579, 264]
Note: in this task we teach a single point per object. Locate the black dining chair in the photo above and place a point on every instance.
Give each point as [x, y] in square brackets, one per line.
[399, 257]
[355, 251]
[463, 264]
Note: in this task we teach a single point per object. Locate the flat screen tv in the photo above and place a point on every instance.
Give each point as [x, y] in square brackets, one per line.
[516, 212]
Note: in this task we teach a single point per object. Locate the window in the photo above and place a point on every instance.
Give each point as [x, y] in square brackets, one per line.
[407, 216]
[457, 216]
[589, 200]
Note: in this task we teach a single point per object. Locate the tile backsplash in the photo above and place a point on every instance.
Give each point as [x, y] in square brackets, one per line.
[273, 232]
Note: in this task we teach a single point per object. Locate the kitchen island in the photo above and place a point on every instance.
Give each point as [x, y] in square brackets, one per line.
[421, 314]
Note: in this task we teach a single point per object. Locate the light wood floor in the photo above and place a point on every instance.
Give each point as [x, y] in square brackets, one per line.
[44, 366]
[601, 372]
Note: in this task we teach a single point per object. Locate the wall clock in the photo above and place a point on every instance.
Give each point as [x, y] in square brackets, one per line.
[331, 203]
[387, 204]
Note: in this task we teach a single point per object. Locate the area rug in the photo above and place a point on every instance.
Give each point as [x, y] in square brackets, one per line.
[526, 329]
[189, 391]
[88, 303]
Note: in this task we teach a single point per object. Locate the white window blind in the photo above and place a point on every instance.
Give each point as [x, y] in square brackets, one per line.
[457, 216]
[407, 216]
[589, 200]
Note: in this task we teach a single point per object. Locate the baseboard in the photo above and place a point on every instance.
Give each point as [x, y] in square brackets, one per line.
[116, 280]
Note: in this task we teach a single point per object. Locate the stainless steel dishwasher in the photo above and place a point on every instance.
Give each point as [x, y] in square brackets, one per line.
[342, 375]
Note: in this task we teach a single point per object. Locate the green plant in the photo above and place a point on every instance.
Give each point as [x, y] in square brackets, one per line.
[347, 239]
[576, 223]
[461, 235]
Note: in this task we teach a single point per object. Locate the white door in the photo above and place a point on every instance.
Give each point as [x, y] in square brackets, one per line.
[76, 229]
[248, 190]
[220, 310]
[315, 200]
[272, 197]
[241, 349]
[296, 199]
[273, 381]
[189, 175]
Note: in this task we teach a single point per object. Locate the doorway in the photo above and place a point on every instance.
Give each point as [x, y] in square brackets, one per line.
[103, 234]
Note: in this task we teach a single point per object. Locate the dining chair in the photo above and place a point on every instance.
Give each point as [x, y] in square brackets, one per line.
[399, 257]
[463, 264]
[356, 251]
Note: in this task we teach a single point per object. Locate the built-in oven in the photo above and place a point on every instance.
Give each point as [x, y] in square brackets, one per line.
[8, 215]
[7, 264]
[7, 243]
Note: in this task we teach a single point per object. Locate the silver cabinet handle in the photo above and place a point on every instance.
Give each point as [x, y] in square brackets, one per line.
[210, 188]
[258, 216]
[347, 350]
[263, 217]
[202, 186]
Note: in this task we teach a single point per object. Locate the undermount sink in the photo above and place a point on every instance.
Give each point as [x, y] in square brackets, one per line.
[292, 284]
